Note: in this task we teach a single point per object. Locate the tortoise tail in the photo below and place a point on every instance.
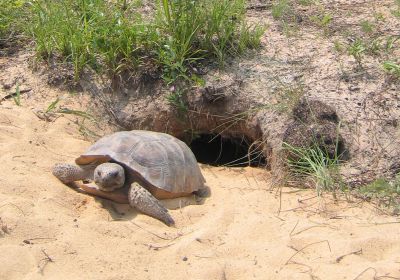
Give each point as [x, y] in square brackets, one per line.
[144, 201]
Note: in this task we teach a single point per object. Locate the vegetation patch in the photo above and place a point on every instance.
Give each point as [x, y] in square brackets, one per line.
[116, 37]
[385, 192]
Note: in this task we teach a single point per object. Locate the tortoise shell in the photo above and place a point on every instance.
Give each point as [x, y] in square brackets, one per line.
[157, 159]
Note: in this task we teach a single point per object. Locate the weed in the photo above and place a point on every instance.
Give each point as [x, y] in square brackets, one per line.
[317, 163]
[357, 50]
[322, 21]
[17, 96]
[12, 19]
[390, 43]
[196, 30]
[374, 47]
[392, 68]
[396, 12]
[367, 27]
[113, 37]
[386, 192]
[280, 9]
[314, 162]
[52, 105]
[338, 46]
[176, 99]
[75, 112]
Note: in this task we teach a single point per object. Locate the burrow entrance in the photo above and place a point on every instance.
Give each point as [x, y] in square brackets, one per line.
[217, 150]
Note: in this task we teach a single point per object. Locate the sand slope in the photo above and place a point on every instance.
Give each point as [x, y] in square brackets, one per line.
[238, 233]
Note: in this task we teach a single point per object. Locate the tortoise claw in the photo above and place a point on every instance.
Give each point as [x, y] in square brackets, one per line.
[144, 201]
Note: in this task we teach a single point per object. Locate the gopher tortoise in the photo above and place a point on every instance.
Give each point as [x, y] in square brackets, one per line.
[145, 166]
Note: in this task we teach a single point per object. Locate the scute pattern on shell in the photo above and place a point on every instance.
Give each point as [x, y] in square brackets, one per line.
[159, 159]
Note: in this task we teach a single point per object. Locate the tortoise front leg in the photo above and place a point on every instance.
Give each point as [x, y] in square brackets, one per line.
[68, 173]
[145, 202]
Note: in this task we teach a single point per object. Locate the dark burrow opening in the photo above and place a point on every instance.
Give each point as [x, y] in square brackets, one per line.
[213, 149]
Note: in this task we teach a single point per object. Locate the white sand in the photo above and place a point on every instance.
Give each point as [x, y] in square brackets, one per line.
[238, 233]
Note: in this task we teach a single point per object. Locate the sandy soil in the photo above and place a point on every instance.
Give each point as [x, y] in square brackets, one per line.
[244, 230]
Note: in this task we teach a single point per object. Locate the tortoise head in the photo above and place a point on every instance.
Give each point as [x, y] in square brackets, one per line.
[109, 176]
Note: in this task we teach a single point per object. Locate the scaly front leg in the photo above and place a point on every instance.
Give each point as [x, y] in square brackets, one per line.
[145, 202]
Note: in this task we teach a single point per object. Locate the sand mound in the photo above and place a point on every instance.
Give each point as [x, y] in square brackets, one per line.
[244, 230]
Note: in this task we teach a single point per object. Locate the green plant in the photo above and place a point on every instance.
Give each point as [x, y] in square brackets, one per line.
[280, 9]
[357, 50]
[322, 21]
[191, 31]
[315, 162]
[177, 99]
[390, 43]
[338, 46]
[367, 27]
[113, 37]
[17, 96]
[392, 68]
[53, 105]
[385, 192]
[396, 12]
[374, 47]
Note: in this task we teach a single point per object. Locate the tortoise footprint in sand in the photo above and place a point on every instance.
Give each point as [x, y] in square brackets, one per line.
[143, 166]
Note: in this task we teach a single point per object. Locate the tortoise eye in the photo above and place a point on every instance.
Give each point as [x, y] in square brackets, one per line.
[114, 174]
[99, 173]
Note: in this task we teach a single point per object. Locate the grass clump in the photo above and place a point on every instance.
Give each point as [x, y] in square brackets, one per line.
[396, 12]
[88, 33]
[195, 30]
[357, 49]
[367, 26]
[116, 38]
[12, 20]
[283, 10]
[315, 163]
[392, 68]
[385, 192]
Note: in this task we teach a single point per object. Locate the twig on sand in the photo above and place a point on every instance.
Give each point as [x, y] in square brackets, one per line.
[157, 247]
[365, 270]
[155, 234]
[307, 228]
[339, 259]
[305, 247]
[290, 234]
[43, 262]
[28, 241]
[12, 204]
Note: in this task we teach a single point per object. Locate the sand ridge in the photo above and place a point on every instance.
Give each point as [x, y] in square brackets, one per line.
[244, 230]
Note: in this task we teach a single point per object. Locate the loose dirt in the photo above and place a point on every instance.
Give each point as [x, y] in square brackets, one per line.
[244, 230]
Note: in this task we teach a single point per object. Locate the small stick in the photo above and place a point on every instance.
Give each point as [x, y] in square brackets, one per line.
[365, 270]
[290, 234]
[152, 233]
[287, 262]
[46, 260]
[339, 259]
[156, 247]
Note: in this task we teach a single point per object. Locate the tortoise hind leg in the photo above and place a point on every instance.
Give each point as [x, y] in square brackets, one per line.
[145, 202]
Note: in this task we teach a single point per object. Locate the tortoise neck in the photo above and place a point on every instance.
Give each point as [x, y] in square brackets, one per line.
[83, 172]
